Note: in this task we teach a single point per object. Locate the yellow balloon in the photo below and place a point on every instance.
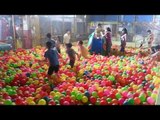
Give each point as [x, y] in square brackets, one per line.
[41, 102]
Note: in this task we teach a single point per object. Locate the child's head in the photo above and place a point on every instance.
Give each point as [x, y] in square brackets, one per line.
[99, 25]
[80, 42]
[48, 44]
[124, 31]
[48, 35]
[108, 29]
[69, 45]
[68, 31]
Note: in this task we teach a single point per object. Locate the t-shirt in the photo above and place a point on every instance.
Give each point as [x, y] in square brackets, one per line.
[52, 56]
[71, 53]
[66, 38]
[53, 42]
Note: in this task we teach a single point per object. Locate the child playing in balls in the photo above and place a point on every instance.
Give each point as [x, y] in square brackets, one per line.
[71, 54]
[82, 50]
[52, 56]
[154, 58]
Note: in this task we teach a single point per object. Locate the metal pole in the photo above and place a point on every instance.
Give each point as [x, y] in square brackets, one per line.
[51, 24]
[14, 33]
[63, 28]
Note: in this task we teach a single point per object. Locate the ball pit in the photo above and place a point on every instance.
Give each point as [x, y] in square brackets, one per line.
[117, 80]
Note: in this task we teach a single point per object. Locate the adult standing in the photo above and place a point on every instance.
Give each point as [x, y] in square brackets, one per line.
[123, 38]
[155, 43]
[150, 39]
[108, 41]
[19, 33]
[96, 45]
[67, 37]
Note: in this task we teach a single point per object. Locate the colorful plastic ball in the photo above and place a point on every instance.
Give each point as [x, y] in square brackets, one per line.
[111, 78]
[131, 101]
[93, 99]
[56, 97]
[87, 93]
[97, 102]
[154, 96]
[149, 93]
[32, 103]
[121, 101]
[109, 99]
[118, 96]
[84, 99]
[79, 96]
[66, 103]
[8, 102]
[142, 98]
[42, 102]
[94, 94]
[150, 100]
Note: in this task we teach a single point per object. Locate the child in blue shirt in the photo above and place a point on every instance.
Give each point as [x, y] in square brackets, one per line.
[52, 55]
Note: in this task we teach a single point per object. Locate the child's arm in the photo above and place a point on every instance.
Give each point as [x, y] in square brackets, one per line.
[77, 55]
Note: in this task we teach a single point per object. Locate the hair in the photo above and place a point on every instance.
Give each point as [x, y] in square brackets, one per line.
[58, 37]
[48, 35]
[48, 44]
[108, 29]
[149, 31]
[125, 30]
[99, 24]
[67, 30]
[80, 42]
[69, 45]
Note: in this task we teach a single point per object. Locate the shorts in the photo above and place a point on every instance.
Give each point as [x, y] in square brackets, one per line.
[71, 63]
[53, 69]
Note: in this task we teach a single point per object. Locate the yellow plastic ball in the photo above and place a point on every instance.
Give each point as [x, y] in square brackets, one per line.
[29, 99]
[52, 93]
[154, 96]
[84, 99]
[36, 82]
[41, 102]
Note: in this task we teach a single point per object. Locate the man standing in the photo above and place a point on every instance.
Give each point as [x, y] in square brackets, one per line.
[67, 37]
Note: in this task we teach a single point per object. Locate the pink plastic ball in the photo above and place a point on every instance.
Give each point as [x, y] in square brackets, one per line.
[150, 100]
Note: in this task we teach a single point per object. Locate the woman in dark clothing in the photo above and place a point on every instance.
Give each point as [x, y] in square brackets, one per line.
[108, 41]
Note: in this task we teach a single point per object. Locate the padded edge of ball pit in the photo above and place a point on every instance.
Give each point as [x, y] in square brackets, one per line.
[5, 46]
[158, 98]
